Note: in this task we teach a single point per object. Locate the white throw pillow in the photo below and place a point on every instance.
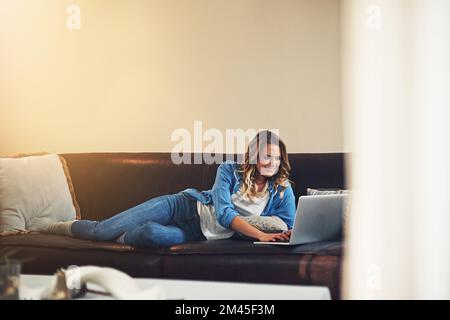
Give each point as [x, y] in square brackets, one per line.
[33, 188]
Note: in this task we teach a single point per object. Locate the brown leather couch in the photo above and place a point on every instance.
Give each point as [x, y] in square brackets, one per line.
[108, 183]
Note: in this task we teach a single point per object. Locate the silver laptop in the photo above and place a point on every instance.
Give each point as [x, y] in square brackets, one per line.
[318, 218]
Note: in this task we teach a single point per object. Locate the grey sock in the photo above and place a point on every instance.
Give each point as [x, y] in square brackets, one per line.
[64, 228]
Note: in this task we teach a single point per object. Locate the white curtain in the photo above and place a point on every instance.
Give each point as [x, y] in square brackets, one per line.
[396, 100]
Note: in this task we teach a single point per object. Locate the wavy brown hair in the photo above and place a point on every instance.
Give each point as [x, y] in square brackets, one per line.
[251, 157]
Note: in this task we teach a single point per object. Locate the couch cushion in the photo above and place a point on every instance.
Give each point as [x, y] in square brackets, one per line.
[230, 246]
[64, 242]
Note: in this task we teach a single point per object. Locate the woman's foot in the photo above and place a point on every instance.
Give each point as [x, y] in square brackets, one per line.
[46, 226]
[63, 227]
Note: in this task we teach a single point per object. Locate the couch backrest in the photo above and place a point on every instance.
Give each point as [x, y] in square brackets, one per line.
[108, 183]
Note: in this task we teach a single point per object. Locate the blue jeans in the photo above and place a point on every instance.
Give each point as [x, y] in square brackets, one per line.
[162, 221]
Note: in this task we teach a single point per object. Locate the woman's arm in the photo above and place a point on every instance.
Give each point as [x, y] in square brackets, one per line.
[286, 209]
[221, 195]
[241, 226]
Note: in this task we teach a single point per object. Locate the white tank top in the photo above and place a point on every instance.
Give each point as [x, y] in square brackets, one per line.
[212, 229]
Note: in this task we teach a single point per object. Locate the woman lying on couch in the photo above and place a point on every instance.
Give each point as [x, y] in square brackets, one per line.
[253, 199]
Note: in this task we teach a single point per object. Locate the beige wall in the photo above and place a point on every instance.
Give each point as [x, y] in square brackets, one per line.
[138, 70]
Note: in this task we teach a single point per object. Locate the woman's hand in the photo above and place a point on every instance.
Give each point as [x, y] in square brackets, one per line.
[268, 237]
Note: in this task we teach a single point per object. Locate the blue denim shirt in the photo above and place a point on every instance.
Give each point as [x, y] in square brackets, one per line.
[227, 182]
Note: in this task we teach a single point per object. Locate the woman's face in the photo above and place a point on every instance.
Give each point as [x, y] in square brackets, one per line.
[269, 160]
